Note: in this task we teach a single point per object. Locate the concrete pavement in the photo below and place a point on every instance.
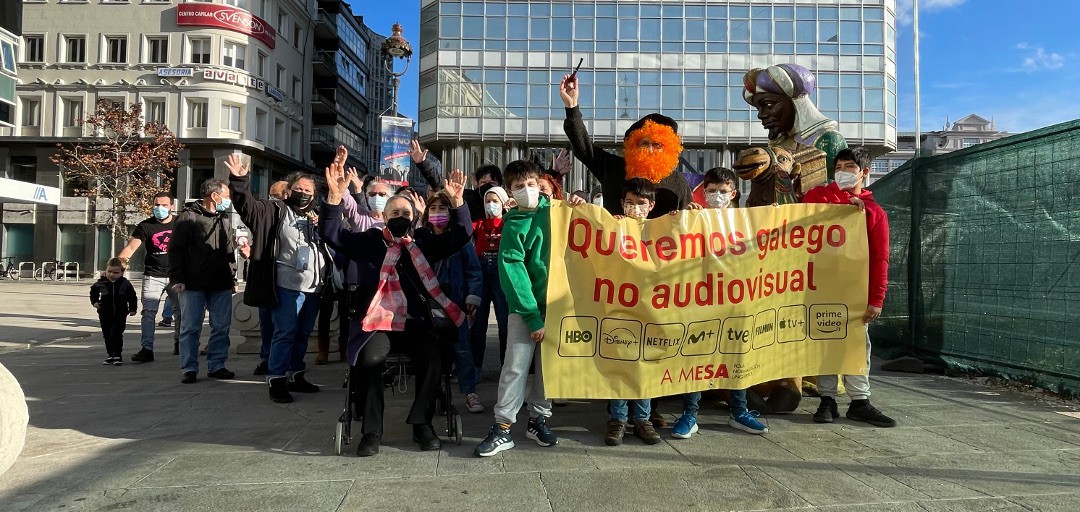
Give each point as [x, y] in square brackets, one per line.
[134, 438]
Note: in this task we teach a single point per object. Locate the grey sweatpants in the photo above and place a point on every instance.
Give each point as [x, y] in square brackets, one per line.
[514, 388]
[858, 386]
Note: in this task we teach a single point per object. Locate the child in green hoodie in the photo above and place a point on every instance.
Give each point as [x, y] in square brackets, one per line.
[523, 272]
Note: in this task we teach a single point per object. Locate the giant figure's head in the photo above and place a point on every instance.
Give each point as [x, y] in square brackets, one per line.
[781, 95]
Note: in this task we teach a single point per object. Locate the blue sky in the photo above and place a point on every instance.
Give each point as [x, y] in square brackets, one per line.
[1016, 62]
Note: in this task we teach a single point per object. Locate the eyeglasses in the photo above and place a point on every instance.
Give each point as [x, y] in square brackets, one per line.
[655, 146]
[380, 194]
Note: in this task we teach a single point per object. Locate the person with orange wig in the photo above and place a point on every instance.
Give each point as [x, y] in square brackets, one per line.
[651, 149]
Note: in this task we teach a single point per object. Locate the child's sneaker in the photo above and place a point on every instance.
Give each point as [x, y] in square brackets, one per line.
[117, 361]
[108, 361]
[644, 430]
[684, 427]
[747, 422]
[615, 431]
[472, 403]
[539, 432]
[497, 440]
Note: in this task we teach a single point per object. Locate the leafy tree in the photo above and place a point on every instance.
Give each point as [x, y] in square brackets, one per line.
[122, 167]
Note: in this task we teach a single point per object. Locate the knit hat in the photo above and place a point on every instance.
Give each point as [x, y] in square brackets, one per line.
[498, 191]
[656, 118]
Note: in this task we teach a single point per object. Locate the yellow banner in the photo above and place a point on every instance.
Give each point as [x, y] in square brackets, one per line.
[710, 299]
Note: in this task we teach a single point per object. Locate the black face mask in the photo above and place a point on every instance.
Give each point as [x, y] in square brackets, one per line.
[399, 226]
[298, 200]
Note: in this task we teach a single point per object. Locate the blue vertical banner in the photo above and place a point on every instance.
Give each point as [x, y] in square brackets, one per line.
[394, 161]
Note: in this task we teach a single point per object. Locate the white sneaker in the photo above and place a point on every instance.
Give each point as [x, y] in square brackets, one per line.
[472, 402]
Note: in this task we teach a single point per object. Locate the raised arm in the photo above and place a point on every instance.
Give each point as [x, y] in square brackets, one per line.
[595, 158]
[249, 207]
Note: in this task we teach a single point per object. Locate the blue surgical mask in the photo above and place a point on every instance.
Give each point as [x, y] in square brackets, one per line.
[161, 212]
[223, 205]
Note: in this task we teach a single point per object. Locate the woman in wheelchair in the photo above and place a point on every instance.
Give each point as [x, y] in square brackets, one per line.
[400, 301]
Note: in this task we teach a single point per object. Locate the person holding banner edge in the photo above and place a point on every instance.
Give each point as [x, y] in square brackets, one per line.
[852, 167]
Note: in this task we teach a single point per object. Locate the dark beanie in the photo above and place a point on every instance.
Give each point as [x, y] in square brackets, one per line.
[656, 118]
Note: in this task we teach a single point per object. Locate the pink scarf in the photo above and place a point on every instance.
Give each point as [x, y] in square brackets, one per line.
[389, 306]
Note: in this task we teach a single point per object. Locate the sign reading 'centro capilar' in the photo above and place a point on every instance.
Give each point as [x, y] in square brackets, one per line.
[223, 16]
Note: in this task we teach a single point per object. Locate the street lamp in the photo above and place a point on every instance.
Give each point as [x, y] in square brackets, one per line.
[396, 47]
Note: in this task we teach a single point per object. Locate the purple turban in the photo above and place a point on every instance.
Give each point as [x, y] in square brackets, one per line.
[791, 80]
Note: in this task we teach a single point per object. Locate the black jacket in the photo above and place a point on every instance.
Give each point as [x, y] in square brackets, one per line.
[672, 193]
[116, 298]
[263, 218]
[201, 250]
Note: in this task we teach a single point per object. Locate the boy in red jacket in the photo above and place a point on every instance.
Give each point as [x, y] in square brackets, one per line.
[852, 167]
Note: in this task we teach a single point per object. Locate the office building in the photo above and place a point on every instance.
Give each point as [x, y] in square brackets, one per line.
[489, 69]
[225, 76]
[968, 131]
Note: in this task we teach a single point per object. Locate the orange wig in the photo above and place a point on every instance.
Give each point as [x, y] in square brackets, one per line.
[647, 163]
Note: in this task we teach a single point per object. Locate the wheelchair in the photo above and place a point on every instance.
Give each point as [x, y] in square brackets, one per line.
[396, 377]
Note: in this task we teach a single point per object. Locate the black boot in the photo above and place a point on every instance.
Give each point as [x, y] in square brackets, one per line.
[425, 436]
[827, 411]
[369, 444]
[279, 391]
[300, 385]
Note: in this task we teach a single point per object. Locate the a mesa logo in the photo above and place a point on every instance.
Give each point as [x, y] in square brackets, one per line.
[222, 16]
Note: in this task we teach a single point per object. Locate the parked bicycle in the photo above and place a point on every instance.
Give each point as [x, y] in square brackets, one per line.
[52, 269]
[11, 271]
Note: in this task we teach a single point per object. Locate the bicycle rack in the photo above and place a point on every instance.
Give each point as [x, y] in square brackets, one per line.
[42, 273]
[64, 272]
[22, 269]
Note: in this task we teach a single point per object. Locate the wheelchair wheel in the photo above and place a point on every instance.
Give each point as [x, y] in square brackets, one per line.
[457, 429]
[339, 437]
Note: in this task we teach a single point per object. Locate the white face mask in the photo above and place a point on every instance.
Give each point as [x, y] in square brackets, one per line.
[846, 180]
[636, 211]
[377, 203]
[717, 199]
[494, 209]
[598, 201]
[527, 197]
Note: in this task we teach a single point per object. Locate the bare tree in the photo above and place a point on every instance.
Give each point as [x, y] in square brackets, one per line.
[122, 166]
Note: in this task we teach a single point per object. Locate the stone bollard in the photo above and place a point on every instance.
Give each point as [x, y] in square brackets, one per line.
[14, 416]
[245, 322]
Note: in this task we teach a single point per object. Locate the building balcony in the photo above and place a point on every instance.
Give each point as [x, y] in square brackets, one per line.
[322, 138]
[325, 25]
[324, 64]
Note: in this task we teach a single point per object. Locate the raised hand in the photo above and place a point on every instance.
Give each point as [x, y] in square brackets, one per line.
[353, 178]
[336, 183]
[562, 163]
[236, 165]
[418, 155]
[341, 155]
[455, 186]
[568, 91]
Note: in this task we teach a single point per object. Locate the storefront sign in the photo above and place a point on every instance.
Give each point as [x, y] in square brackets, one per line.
[275, 93]
[175, 72]
[229, 18]
[233, 77]
[25, 192]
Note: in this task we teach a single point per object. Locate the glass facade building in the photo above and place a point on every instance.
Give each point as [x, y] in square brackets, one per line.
[488, 71]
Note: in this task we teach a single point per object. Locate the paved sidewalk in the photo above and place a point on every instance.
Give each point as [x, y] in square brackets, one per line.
[134, 438]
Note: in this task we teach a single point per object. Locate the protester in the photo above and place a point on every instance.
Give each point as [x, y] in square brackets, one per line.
[720, 192]
[852, 168]
[523, 260]
[598, 198]
[114, 299]
[488, 232]
[266, 319]
[486, 176]
[202, 268]
[153, 234]
[400, 293]
[288, 269]
[461, 279]
[550, 187]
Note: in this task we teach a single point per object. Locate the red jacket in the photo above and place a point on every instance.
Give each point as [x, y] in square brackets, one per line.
[877, 234]
[487, 232]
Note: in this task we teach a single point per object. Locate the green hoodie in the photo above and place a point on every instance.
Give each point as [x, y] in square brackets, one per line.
[523, 262]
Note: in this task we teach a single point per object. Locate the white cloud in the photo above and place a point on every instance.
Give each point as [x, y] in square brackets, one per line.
[1039, 59]
[904, 8]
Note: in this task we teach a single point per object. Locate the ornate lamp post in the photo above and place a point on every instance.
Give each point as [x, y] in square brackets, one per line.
[396, 47]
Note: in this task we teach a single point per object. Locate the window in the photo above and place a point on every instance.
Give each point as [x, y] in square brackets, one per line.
[230, 117]
[297, 87]
[116, 49]
[73, 112]
[297, 34]
[31, 112]
[234, 55]
[294, 142]
[157, 49]
[34, 48]
[196, 114]
[967, 143]
[74, 48]
[282, 18]
[880, 166]
[237, 3]
[260, 125]
[154, 111]
[8, 56]
[260, 64]
[200, 50]
[280, 77]
[279, 133]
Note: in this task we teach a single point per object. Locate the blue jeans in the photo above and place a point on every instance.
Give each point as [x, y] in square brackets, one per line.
[492, 295]
[466, 369]
[194, 304]
[266, 331]
[638, 410]
[737, 402]
[166, 310]
[152, 290]
[294, 318]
